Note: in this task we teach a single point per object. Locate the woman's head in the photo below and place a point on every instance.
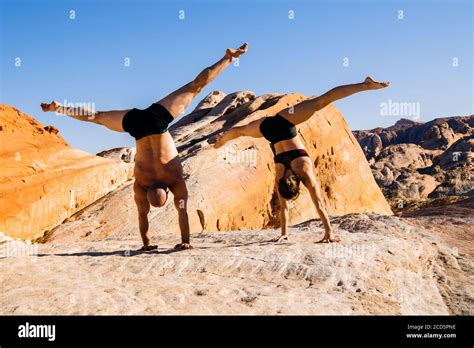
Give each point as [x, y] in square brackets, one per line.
[157, 195]
[289, 186]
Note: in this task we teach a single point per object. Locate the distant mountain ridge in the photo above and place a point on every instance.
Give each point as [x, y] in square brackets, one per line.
[416, 161]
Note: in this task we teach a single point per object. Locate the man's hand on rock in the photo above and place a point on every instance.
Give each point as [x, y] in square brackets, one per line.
[148, 247]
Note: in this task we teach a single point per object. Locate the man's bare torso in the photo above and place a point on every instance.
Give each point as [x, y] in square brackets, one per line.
[157, 160]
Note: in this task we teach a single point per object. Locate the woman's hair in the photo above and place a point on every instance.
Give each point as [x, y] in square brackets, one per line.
[289, 187]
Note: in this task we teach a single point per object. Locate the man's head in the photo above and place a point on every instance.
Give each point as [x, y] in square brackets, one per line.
[157, 195]
[289, 186]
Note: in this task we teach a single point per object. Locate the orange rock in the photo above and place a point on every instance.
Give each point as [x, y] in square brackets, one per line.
[235, 184]
[43, 180]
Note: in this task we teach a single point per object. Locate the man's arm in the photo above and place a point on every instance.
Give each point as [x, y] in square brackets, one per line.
[143, 207]
[180, 203]
[284, 217]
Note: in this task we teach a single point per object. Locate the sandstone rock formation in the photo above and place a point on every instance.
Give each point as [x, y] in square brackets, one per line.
[414, 161]
[125, 154]
[437, 134]
[233, 188]
[246, 166]
[43, 180]
[210, 108]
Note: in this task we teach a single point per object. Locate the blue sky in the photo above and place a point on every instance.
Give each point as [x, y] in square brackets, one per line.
[82, 60]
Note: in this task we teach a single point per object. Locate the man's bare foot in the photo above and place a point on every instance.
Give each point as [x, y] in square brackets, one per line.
[280, 239]
[53, 106]
[232, 54]
[183, 246]
[372, 84]
[148, 247]
[329, 238]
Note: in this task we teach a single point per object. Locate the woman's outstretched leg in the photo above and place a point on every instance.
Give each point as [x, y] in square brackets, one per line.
[110, 119]
[179, 100]
[249, 130]
[304, 110]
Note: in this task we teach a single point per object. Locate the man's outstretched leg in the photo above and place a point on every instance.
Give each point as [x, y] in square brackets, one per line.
[180, 99]
[110, 119]
[304, 110]
[175, 102]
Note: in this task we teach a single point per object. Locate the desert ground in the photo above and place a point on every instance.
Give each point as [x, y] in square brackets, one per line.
[383, 265]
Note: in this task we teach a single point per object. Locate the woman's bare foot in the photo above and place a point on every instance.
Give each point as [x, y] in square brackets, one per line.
[220, 140]
[183, 246]
[280, 239]
[232, 54]
[53, 106]
[370, 83]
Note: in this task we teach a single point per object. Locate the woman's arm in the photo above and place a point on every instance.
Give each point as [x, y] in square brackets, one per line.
[284, 218]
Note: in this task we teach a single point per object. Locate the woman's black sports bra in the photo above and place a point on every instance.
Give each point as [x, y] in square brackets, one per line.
[287, 157]
[277, 128]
